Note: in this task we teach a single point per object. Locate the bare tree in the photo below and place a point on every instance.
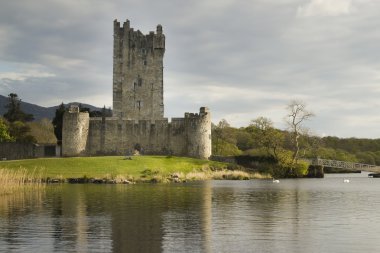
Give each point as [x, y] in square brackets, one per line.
[297, 115]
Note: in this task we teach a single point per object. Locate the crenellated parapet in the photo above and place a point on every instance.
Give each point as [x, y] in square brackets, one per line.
[127, 37]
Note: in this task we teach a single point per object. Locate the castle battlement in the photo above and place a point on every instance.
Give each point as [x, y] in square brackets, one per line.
[136, 39]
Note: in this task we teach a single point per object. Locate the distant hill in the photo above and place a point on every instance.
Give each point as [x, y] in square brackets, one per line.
[39, 112]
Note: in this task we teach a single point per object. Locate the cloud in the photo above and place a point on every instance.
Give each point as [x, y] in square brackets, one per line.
[4, 39]
[325, 8]
[24, 74]
[64, 62]
[242, 60]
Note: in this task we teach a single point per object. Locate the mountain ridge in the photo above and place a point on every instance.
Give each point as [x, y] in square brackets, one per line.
[40, 112]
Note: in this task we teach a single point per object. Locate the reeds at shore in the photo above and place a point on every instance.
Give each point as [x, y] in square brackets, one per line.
[207, 175]
[224, 175]
[14, 179]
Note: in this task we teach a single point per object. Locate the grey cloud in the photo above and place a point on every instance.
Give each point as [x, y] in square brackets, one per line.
[263, 48]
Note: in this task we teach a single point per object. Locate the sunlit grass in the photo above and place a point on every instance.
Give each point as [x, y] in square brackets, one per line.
[98, 167]
[120, 169]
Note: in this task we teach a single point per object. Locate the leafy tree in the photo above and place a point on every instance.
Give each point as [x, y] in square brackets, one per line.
[266, 135]
[217, 134]
[366, 157]
[352, 145]
[228, 149]
[224, 139]
[20, 132]
[376, 156]
[43, 131]
[4, 132]
[14, 112]
[333, 154]
[58, 122]
[244, 139]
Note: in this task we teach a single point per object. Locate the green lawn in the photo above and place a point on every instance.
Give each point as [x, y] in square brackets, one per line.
[110, 166]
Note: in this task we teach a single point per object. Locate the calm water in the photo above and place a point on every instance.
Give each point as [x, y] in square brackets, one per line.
[305, 215]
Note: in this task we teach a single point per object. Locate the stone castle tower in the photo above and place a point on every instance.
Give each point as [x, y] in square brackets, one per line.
[138, 107]
[138, 73]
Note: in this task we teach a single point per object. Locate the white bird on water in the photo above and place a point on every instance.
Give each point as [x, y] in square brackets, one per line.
[346, 180]
[276, 181]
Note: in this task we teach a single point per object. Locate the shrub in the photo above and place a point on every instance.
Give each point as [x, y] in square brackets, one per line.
[285, 167]
[300, 169]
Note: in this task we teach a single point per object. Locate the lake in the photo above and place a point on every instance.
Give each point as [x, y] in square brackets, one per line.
[295, 215]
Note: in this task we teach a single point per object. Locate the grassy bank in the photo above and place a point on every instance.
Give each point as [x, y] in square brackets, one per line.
[118, 168]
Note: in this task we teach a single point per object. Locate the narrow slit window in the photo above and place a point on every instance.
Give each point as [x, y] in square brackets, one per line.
[140, 81]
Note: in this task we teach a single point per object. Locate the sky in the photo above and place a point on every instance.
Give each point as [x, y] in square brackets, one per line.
[243, 59]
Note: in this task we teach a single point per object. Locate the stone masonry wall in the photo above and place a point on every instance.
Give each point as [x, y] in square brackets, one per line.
[16, 151]
[138, 73]
[74, 133]
[198, 131]
[124, 136]
[189, 136]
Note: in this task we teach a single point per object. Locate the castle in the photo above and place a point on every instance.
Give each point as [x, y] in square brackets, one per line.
[137, 122]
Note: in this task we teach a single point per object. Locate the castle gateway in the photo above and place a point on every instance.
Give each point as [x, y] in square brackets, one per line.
[138, 121]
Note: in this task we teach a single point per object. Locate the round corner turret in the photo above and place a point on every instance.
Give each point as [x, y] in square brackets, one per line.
[198, 128]
[75, 132]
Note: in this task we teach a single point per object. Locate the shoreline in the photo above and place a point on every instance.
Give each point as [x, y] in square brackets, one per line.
[118, 170]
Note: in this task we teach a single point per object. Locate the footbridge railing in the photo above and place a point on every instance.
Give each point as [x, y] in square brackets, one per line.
[342, 164]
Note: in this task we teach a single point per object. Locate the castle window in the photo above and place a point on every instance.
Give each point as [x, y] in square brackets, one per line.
[139, 81]
[139, 104]
[145, 62]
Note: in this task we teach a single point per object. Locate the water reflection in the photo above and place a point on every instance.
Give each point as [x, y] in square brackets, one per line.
[321, 215]
[92, 218]
[187, 227]
[76, 225]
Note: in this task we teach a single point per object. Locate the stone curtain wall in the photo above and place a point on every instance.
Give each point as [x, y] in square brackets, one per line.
[122, 137]
[189, 136]
[16, 151]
